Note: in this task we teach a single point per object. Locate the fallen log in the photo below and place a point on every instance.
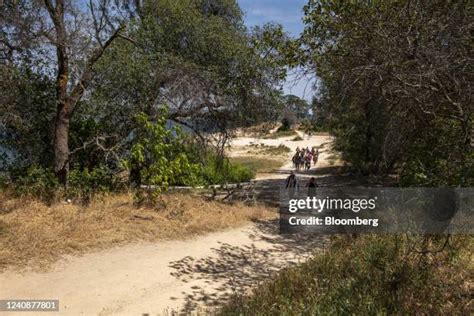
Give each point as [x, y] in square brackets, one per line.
[214, 186]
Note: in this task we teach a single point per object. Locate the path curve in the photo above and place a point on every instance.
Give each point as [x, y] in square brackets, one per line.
[157, 278]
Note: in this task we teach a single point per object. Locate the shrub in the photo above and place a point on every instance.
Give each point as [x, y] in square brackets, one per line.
[276, 150]
[238, 173]
[257, 164]
[309, 126]
[159, 158]
[41, 183]
[37, 182]
[368, 275]
[219, 170]
[88, 182]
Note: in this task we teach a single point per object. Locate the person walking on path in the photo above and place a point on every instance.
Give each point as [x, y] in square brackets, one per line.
[292, 184]
[307, 161]
[312, 185]
[315, 156]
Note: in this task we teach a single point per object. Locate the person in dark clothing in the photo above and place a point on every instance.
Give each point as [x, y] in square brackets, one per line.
[312, 185]
[292, 184]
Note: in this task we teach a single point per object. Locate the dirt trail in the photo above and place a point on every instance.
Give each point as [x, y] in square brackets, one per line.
[156, 278]
[322, 141]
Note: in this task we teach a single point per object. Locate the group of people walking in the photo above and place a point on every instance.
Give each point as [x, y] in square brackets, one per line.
[303, 157]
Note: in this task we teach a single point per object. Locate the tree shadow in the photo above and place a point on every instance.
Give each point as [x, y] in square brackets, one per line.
[237, 269]
[268, 190]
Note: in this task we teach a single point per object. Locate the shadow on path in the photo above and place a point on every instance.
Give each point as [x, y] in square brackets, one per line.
[236, 269]
[268, 190]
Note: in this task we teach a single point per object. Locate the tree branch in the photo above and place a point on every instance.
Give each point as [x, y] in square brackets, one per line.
[87, 74]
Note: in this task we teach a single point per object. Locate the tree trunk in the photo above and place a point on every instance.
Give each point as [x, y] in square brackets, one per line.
[135, 177]
[66, 102]
[61, 146]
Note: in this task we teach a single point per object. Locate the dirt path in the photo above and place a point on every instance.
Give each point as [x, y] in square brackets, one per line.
[182, 276]
[155, 278]
[322, 141]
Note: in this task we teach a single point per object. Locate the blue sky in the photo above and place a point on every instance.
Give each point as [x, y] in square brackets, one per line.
[288, 13]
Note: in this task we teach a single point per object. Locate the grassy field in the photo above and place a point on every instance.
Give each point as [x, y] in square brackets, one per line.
[257, 164]
[32, 233]
[370, 275]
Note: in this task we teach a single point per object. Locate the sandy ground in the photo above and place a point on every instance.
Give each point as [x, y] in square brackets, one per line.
[156, 278]
[321, 141]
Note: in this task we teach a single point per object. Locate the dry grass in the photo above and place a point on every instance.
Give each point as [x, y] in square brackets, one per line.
[257, 164]
[257, 130]
[280, 134]
[369, 275]
[275, 150]
[263, 150]
[34, 234]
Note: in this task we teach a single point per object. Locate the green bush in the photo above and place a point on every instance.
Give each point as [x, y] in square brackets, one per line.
[434, 161]
[312, 127]
[219, 170]
[37, 182]
[159, 158]
[88, 182]
[41, 183]
[257, 164]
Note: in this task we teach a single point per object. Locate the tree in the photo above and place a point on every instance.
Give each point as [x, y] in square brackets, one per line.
[296, 105]
[159, 156]
[61, 25]
[396, 84]
[210, 72]
[104, 61]
[26, 113]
